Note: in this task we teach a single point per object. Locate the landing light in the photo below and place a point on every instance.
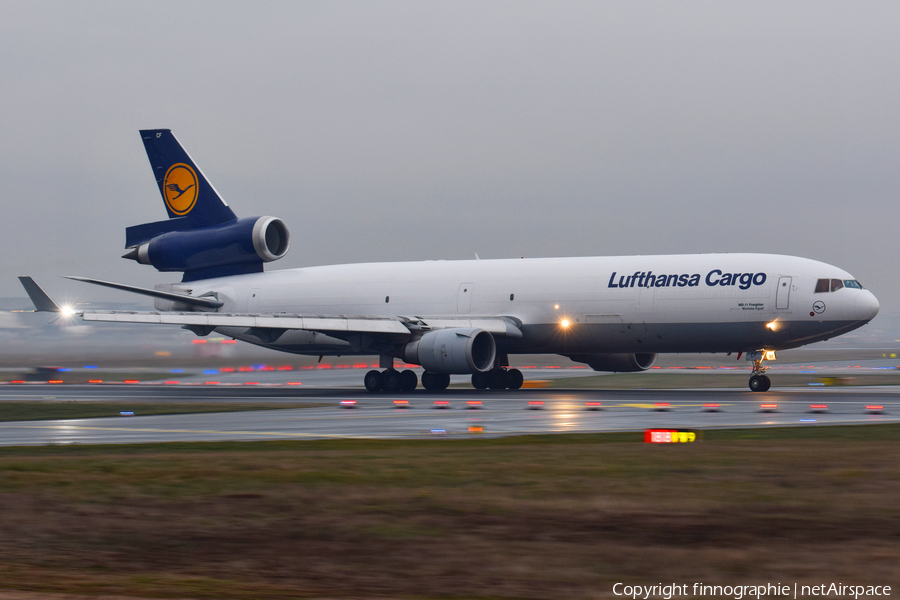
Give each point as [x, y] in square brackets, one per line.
[773, 325]
[67, 311]
[564, 323]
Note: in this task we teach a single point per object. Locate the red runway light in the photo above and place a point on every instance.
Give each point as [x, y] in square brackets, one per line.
[442, 402]
[401, 402]
[95, 381]
[348, 402]
[661, 404]
[818, 406]
[710, 406]
[227, 370]
[212, 383]
[768, 406]
[198, 341]
[473, 402]
[245, 369]
[251, 383]
[131, 381]
[229, 341]
[172, 382]
[869, 407]
[55, 381]
[294, 383]
[536, 402]
[593, 404]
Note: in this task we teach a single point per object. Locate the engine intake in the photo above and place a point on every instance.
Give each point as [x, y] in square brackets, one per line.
[453, 351]
[617, 362]
[246, 242]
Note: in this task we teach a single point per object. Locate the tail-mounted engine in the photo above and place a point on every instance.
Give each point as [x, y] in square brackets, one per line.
[235, 247]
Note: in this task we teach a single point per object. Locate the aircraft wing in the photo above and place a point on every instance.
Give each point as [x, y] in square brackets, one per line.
[371, 325]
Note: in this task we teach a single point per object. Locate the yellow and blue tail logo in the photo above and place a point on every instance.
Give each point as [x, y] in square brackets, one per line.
[180, 188]
[185, 191]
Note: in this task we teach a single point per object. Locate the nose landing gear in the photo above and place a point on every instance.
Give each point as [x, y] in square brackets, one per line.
[759, 382]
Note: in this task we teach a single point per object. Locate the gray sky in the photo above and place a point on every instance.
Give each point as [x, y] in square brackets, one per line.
[412, 130]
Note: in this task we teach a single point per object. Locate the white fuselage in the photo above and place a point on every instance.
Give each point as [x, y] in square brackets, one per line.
[671, 303]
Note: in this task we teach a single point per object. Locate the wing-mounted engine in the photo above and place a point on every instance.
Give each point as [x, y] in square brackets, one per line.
[235, 247]
[453, 351]
[617, 362]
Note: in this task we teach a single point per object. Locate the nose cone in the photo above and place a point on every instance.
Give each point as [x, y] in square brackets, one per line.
[866, 306]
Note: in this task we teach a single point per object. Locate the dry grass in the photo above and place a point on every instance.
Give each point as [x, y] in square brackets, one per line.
[554, 516]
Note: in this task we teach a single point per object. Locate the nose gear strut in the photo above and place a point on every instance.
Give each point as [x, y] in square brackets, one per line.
[759, 382]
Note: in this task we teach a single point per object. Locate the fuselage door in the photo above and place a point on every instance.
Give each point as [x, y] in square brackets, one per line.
[253, 301]
[464, 298]
[783, 295]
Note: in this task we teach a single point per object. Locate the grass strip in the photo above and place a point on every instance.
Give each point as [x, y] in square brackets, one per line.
[45, 410]
[561, 516]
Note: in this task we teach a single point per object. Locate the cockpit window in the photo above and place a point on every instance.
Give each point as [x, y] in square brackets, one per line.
[833, 285]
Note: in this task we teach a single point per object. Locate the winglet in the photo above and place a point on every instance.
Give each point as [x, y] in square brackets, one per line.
[42, 302]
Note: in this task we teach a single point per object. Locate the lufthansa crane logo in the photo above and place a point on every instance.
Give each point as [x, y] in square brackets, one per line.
[180, 188]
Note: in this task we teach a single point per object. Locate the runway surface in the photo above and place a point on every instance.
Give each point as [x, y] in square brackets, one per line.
[423, 414]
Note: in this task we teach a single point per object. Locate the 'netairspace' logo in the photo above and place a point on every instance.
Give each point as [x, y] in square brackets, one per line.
[180, 188]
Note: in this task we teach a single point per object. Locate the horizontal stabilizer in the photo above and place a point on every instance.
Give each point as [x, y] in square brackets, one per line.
[190, 300]
[42, 302]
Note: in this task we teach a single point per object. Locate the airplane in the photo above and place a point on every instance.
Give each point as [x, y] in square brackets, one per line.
[613, 313]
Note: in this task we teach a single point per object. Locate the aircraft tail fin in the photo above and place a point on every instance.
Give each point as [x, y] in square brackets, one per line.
[190, 199]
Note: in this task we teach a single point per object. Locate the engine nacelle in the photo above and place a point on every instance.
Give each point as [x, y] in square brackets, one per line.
[250, 241]
[453, 351]
[617, 362]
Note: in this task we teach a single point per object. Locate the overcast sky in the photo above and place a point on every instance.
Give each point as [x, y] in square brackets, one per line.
[418, 130]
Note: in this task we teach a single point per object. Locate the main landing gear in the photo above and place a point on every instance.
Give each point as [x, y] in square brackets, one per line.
[759, 382]
[392, 380]
[498, 379]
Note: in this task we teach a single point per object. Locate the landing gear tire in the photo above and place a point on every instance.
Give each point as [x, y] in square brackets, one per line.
[480, 381]
[498, 379]
[444, 381]
[760, 383]
[435, 382]
[391, 381]
[515, 379]
[374, 381]
[430, 381]
[408, 380]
